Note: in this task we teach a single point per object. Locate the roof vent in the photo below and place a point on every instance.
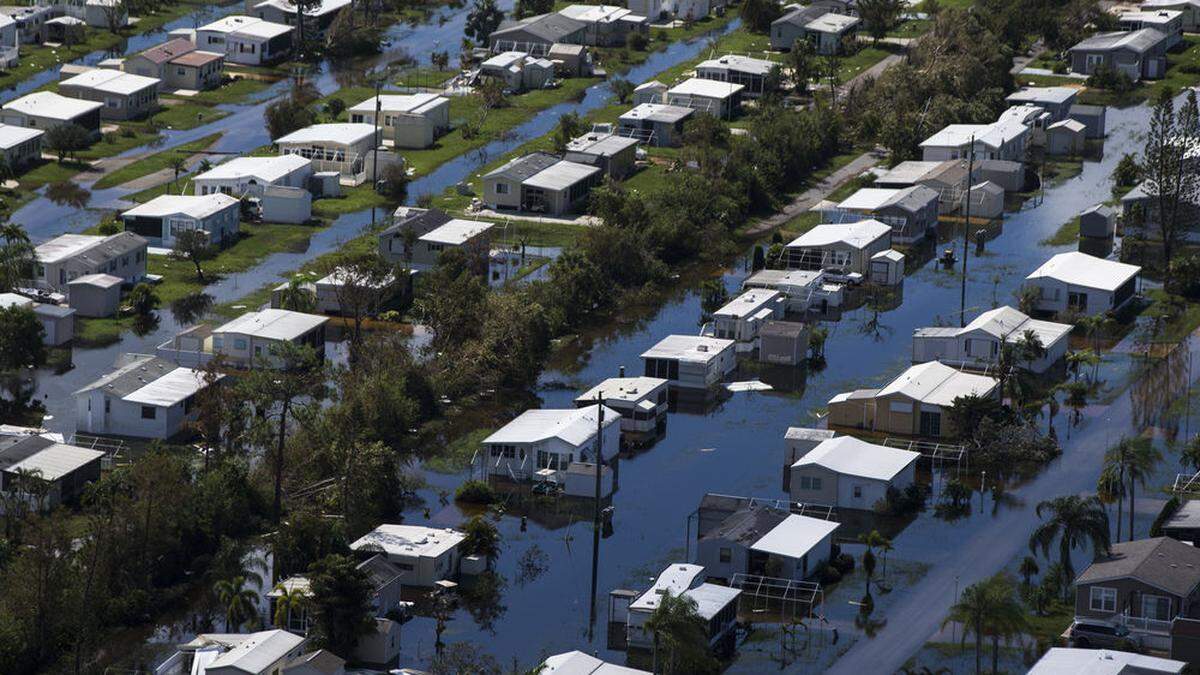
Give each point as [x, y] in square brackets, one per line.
[702, 348]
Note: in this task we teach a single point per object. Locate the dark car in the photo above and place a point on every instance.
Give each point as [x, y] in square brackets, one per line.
[1100, 634]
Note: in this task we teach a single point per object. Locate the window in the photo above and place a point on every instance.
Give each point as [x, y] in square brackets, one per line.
[149, 412]
[726, 554]
[858, 492]
[810, 483]
[1103, 599]
[931, 423]
[239, 343]
[179, 71]
[1157, 607]
[501, 188]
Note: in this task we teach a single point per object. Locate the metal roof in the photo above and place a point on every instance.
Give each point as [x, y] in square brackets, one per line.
[1081, 269]
[711, 599]
[853, 457]
[561, 175]
[601, 144]
[169, 389]
[578, 663]
[675, 579]
[936, 383]
[246, 25]
[657, 112]
[749, 302]
[131, 372]
[273, 324]
[688, 348]
[552, 27]
[698, 86]
[264, 169]
[168, 50]
[856, 235]
[11, 135]
[573, 426]
[795, 536]
[409, 540]
[52, 106]
[1009, 324]
[416, 104]
[417, 219]
[56, 460]
[1035, 95]
[627, 389]
[258, 651]
[111, 81]
[1076, 661]
[457, 232]
[1138, 41]
[739, 64]
[193, 206]
[340, 133]
[520, 168]
[92, 248]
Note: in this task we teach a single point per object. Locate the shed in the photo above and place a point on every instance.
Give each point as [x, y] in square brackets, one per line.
[1065, 137]
[95, 295]
[1092, 116]
[783, 342]
[650, 92]
[1099, 221]
[887, 268]
[987, 200]
[1007, 174]
[283, 204]
[57, 321]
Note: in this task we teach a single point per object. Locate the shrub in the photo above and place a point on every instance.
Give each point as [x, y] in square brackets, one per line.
[1059, 67]
[1107, 77]
[108, 227]
[637, 41]
[1127, 172]
[1185, 276]
[475, 492]
[830, 575]
[844, 563]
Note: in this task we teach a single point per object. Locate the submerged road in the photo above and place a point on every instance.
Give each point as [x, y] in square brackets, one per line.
[969, 557]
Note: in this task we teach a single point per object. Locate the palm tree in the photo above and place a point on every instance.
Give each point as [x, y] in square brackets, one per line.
[1110, 489]
[1006, 617]
[178, 165]
[681, 633]
[296, 297]
[239, 602]
[1076, 522]
[1134, 460]
[872, 540]
[288, 601]
[12, 233]
[1028, 569]
[974, 610]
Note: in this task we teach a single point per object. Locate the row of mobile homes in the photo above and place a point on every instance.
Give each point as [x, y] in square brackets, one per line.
[124, 95]
[641, 401]
[161, 220]
[717, 605]
[58, 322]
[912, 212]
[423, 556]
[692, 362]
[846, 248]
[851, 474]
[552, 446]
[540, 183]
[825, 31]
[45, 110]
[246, 39]
[1078, 283]
[71, 256]
[656, 124]
[63, 469]
[144, 397]
[978, 344]
[408, 120]
[179, 65]
[742, 318]
[913, 404]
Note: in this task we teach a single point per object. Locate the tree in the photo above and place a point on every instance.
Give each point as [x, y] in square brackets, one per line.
[1127, 172]
[569, 127]
[142, 299]
[178, 166]
[1075, 522]
[287, 115]
[298, 296]
[21, 339]
[989, 608]
[1028, 569]
[18, 258]
[452, 299]
[880, 16]
[481, 538]
[483, 20]
[340, 604]
[681, 635]
[1110, 489]
[281, 385]
[193, 246]
[758, 14]
[1134, 461]
[621, 88]
[238, 601]
[116, 15]
[527, 8]
[1171, 181]
[363, 281]
[831, 70]
[393, 182]
[65, 140]
[871, 540]
[800, 60]
[302, 7]
[288, 601]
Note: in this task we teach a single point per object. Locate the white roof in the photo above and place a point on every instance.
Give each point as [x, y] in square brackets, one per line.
[12, 136]
[656, 85]
[578, 663]
[712, 598]
[629, 389]
[869, 199]
[706, 88]
[101, 280]
[57, 460]
[956, 135]
[688, 348]
[321, 9]
[890, 254]
[273, 324]
[341, 133]
[1154, 16]
[170, 389]
[857, 235]
[1043, 94]
[402, 103]
[561, 175]
[936, 383]
[1080, 269]
[456, 232]
[1008, 323]
[1073, 125]
[409, 540]
[832, 23]
[265, 169]
[676, 578]
[657, 112]
[52, 106]
[258, 651]
[1066, 661]
[504, 60]
[574, 426]
[738, 63]
[597, 13]
[111, 81]
[749, 303]
[853, 457]
[193, 206]
[247, 25]
[14, 300]
[795, 536]
[66, 245]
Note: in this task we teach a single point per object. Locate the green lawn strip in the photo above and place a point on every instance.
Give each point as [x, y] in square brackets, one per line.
[240, 89]
[456, 456]
[1067, 233]
[156, 162]
[258, 241]
[116, 142]
[150, 193]
[1180, 325]
[911, 29]
[183, 116]
[49, 171]
[1183, 71]
[352, 200]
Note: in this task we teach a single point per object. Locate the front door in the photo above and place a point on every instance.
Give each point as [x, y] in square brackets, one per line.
[931, 423]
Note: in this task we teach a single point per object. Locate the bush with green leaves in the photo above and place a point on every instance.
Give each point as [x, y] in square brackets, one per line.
[475, 492]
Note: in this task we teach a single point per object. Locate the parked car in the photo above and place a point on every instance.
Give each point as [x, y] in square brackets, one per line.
[1100, 634]
[838, 275]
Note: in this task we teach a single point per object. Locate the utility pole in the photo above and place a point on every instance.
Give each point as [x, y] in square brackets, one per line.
[596, 507]
[962, 314]
[375, 154]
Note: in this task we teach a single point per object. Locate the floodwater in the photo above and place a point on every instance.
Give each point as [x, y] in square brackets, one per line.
[736, 447]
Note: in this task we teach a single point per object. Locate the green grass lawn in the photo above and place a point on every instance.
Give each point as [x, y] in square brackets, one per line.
[911, 29]
[1183, 71]
[185, 115]
[1067, 233]
[115, 143]
[352, 199]
[156, 162]
[457, 455]
[240, 89]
